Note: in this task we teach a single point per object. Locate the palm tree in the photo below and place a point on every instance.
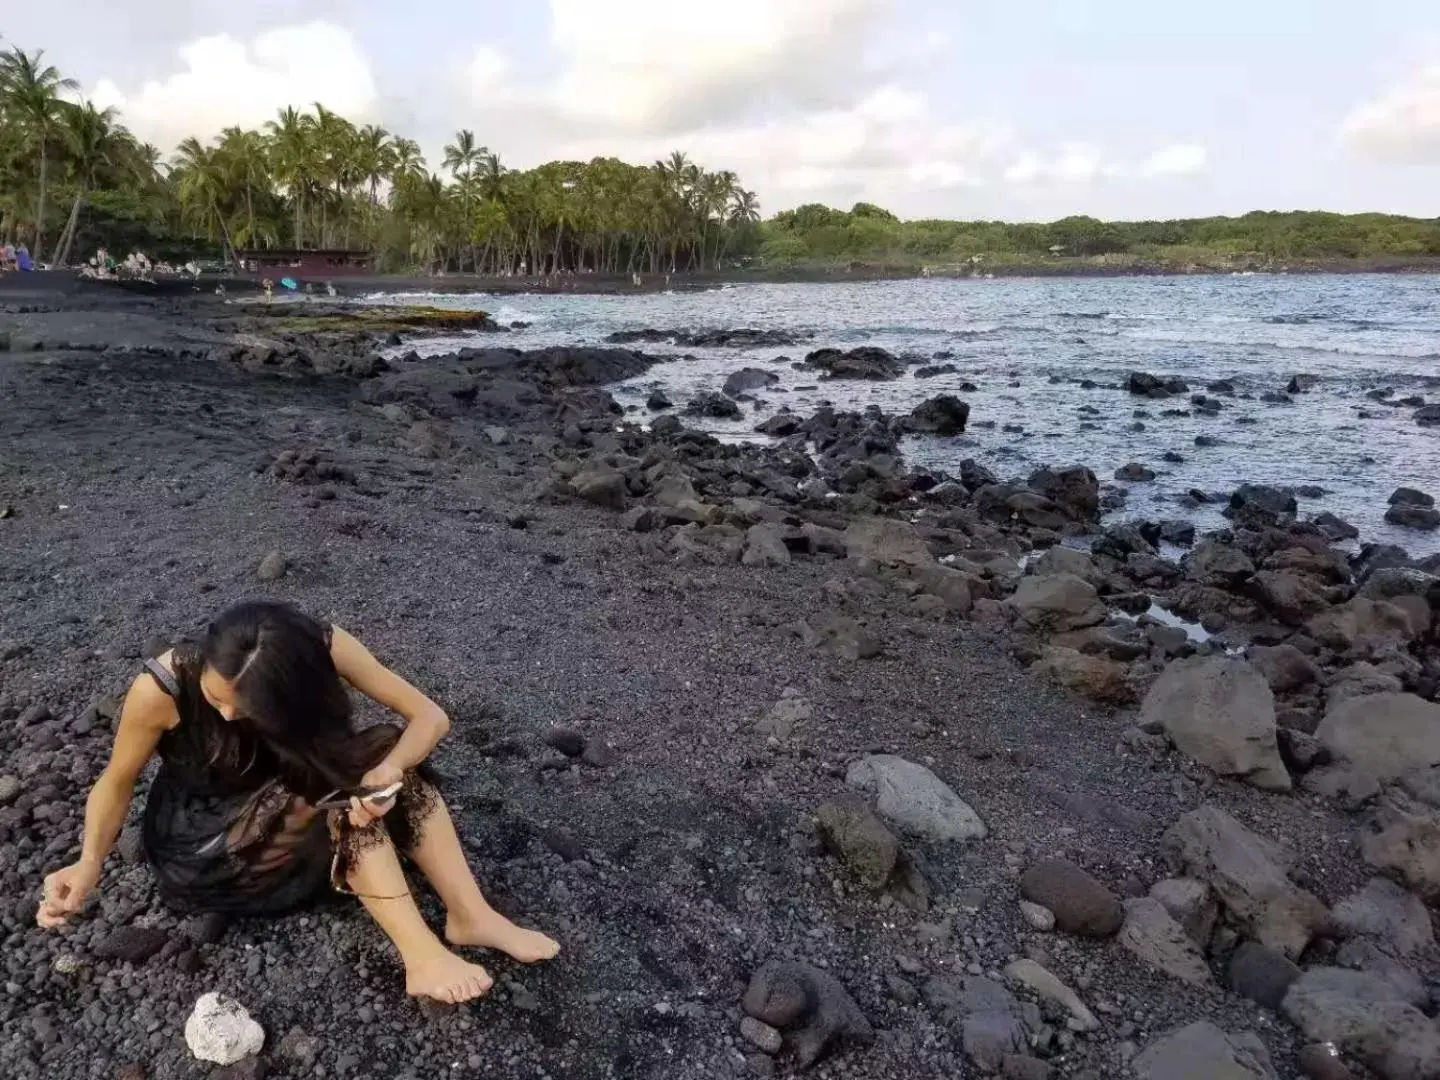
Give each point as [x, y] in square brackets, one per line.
[201, 185]
[92, 137]
[32, 95]
[461, 157]
[406, 160]
[245, 160]
[291, 150]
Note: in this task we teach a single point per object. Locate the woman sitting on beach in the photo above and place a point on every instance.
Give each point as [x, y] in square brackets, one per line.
[267, 793]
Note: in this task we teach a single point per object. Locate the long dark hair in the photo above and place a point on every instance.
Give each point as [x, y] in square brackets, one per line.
[289, 695]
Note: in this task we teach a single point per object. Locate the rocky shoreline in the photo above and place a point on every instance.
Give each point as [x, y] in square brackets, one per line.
[808, 756]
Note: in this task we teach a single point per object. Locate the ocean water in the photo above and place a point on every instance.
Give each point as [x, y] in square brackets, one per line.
[1026, 344]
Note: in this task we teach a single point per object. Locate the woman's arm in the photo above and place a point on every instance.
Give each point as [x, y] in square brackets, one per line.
[147, 713]
[425, 722]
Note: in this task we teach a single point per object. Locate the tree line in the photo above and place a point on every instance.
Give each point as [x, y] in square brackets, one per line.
[72, 178]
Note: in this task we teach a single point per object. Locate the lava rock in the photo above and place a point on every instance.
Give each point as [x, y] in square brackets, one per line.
[1080, 903]
[809, 1005]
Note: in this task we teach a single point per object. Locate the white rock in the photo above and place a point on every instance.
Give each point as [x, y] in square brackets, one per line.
[1030, 974]
[914, 798]
[220, 1030]
[1038, 915]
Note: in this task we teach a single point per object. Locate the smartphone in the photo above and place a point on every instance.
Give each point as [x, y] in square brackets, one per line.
[383, 794]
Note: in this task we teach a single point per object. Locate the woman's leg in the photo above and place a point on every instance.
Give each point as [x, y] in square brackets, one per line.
[431, 970]
[470, 920]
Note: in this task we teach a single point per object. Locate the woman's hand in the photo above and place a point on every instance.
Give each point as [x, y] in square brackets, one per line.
[364, 812]
[66, 891]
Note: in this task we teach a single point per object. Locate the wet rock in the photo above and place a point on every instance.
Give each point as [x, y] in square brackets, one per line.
[1427, 415]
[714, 405]
[1134, 472]
[1191, 904]
[1335, 528]
[1300, 384]
[658, 402]
[1382, 910]
[1058, 603]
[915, 799]
[1249, 876]
[1408, 496]
[887, 541]
[1144, 384]
[974, 476]
[943, 415]
[1159, 941]
[1080, 902]
[1261, 974]
[221, 1031]
[1202, 1051]
[809, 1005]
[780, 426]
[747, 379]
[1219, 711]
[1177, 532]
[1039, 980]
[272, 567]
[132, 944]
[1365, 1016]
[1285, 668]
[1383, 736]
[866, 362]
[1425, 519]
[1260, 505]
[930, 371]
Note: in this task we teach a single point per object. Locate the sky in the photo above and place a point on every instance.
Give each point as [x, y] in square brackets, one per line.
[1009, 109]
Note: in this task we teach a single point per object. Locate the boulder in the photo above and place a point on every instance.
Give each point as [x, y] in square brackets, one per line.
[1144, 384]
[1407, 845]
[1219, 711]
[1191, 904]
[1261, 974]
[1202, 1051]
[866, 362]
[914, 798]
[1248, 874]
[1058, 603]
[1335, 528]
[1134, 472]
[1091, 676]
[955, 587]
[1383, 736]
[1081, 904]
[1074, 490]
[1261, 505]
[601, 485]
[1427, 415]
[1360, 680]
[943, 415]
[658, 402]
[860, 840]
[1292, 597]
[1219, 564]
[219, 1030]
[764, 546]
[1162, 943]
[1285, 668]
[810, 1006]
[714, 405]
[887, 541]
[1039, 980]
[1394, 917]
[1408, 496]
[1424, 518]
[1365, 1016]
[989, 1020]
[748, 379]
[1063, 560]
[780, 426]
[1361, 624]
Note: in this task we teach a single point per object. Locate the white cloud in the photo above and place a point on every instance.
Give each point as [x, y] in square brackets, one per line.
[1179, 159]
[1074, 163]
[222, 81]
[1403, 124]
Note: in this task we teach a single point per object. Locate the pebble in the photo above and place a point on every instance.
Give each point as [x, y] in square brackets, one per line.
[1038, 916]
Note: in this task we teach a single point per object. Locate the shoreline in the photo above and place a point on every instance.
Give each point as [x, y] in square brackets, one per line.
[66, 283]
[489, 523]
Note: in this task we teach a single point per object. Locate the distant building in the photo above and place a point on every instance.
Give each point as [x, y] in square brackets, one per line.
[315, 265]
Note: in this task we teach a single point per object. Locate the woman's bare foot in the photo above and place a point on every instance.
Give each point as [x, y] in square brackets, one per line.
[491, 930]
[446, 977]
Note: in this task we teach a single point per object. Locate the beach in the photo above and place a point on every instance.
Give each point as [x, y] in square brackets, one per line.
[664, 655]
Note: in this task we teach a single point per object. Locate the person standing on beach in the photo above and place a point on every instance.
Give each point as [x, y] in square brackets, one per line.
[268, 793]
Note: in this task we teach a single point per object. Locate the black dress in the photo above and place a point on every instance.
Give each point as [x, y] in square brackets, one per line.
[222, 831]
